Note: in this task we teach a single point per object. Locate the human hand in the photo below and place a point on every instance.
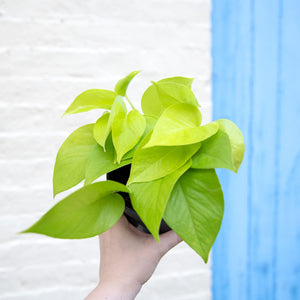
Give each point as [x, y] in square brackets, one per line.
[128, 259]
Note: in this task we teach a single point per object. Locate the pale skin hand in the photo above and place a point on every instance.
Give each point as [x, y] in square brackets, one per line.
[128, 259]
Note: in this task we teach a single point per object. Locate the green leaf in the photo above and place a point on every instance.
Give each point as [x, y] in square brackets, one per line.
[122, 84]
[172, 93]
[150, 123]
[223, 150]
[179, 125]
[100, 129]
[195, 209]
[72, 158]
[126, 131]
[103, 125]
[151, 104]
[176, 118]
[87, 212]
[179, 79]
[91, 99]
[101, 162]
[149, 199]
[153, 163]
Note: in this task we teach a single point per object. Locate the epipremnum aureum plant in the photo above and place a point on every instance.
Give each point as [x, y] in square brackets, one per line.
[173, 159]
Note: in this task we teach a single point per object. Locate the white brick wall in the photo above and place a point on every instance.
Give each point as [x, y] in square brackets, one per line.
[50, 51]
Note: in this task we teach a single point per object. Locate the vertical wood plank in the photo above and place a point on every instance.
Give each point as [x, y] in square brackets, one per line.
[263, 212]
[231, 51]
[288, 236]
[256, 63]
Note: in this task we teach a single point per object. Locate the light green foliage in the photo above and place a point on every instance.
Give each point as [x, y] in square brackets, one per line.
[101, 162]
[151, 100]
[103, 125]
[91, 99]
[180, 125]
[126, 131]
[72, 158]
[195, 209]
[122, 85]
[178, 79]
[172, 159]
[175, 119]
[153, 163]
[150, 123]
[100, 129]
[171, 93]
[223, 150]
[149, 199]
[87, 212]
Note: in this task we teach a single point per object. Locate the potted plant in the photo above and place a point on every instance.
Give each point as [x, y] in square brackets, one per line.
[160, 163]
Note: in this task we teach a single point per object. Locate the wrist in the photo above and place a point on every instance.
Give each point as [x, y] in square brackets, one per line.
[117, 290]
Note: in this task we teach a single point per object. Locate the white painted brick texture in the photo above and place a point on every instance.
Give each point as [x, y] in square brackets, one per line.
[50, 51]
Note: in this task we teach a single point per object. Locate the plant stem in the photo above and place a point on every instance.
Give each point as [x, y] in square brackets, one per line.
[132, 106]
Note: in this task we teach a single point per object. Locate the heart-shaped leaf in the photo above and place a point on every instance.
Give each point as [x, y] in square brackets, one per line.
[122, 85]
[101, 162]
[157, 162]
[126, 131]
[149, 199]
[103, 125]
[179, 125]
[91, 99]
[178, 79]
[72, 158]
[151, 104]
[225, 149]
[87, 212]
[100, 129]
[172, 93]
[150, 123]
[195, 209]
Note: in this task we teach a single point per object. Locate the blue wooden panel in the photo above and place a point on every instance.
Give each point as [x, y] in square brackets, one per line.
[256, 83]
[288, 237]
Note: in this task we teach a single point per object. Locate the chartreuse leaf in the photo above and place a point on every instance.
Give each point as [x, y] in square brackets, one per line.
[195, 209]
[171, 93]
[150, 123]
[103, 125]
[223, 150]
[100, 128]
[72, 158]
[149, 199]
[91, 99]
[179, 125]
[126, 131]
[153, 163]
[122, 84]
[101, 162]
[174, 119]
[151, 104]
[87, 212]
[179, 79]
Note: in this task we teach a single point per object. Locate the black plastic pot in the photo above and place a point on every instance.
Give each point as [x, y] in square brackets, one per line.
[121, 175]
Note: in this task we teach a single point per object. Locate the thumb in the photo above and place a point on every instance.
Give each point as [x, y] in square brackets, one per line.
[169, 240]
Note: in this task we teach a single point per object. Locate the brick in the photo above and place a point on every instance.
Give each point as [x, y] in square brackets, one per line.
[93, 10]
[37, 92]
[98, 63]
[93, 36]
[37, 119]
[16, 202]
[66, 274]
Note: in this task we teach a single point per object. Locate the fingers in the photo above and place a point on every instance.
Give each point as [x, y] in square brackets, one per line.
[169, 240]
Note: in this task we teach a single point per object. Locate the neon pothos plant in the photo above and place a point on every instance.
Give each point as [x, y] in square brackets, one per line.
[172, 156]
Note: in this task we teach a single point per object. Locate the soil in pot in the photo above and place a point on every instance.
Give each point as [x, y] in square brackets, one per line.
[121, 175]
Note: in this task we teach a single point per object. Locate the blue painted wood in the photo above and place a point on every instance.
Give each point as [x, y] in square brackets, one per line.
[256, 83]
